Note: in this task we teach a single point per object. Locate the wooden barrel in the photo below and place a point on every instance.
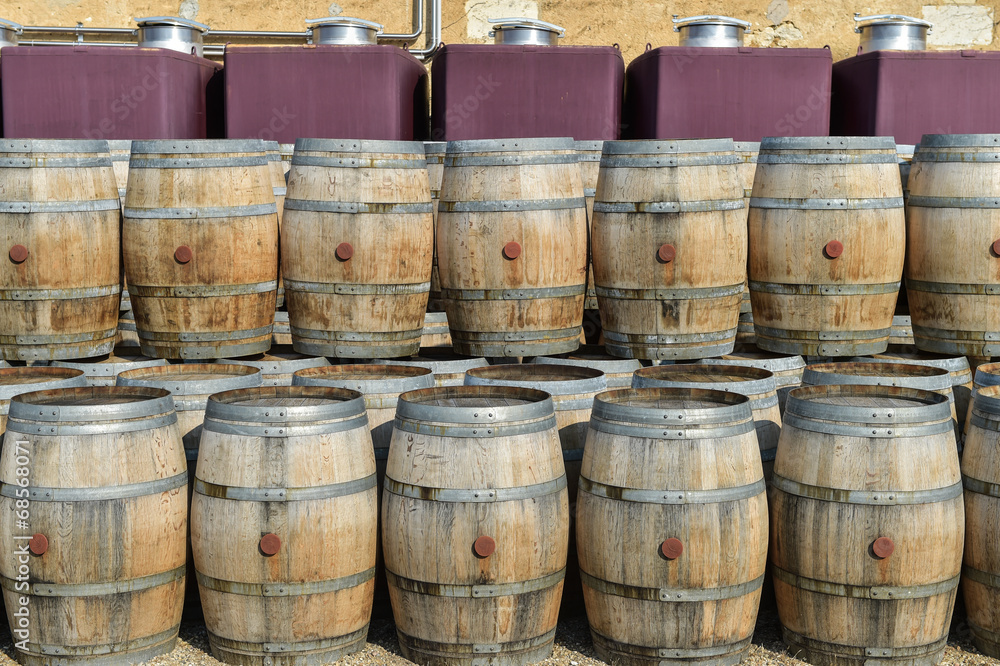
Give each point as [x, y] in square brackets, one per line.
[103, 370]
[672, 526]
[201, 248]
[746, 168]
[190, 385]
[986, 374]
[867, 525]
[475, 522]
[670, 248]
[287, 151]
[953, 223]
[108, 516]
[60, 285]
[512, 246]
[356, 257]
[589, 153]
[435, 151]
[120, 152]
[282, 334]
[276, 174]
[617, 371]
[435, 333]
[448, 367]
[981, 563]
[901, 332]
[279, 364]
[957, 367]
[923, 377]
[27, 379]
[904, 158]
[283, 524]
[787, 369]
[127, 335]
[826, 244]
[757, 384]
[744, 330]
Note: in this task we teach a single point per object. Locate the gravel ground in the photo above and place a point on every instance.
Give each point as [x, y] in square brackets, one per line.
[573, 647]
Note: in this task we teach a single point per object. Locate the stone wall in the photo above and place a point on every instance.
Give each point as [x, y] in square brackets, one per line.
[630, 23]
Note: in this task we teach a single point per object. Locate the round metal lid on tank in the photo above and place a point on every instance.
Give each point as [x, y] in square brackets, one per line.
[711, 31]
[525, 32]
[173, 33]
[891, 32]
[344, 30]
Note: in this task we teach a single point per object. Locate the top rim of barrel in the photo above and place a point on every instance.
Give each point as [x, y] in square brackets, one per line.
[387, 378]
[60, 378]
[589, 146]
[299, 362]
[606, 363]
[987, 399]
[434, 364]
[958, 141]
[771, 361]
[728, 407]
[271, 146]
[196, 146]
[668, 146]
[914, 376]
[359, 146]
[54, 146]
[556, 379]
[987, 374]
[170, 377]
[124, 402]
[105, 367]
[927, 406]
[951, 363]
[435, 147]
[753, 380]
[413, 405]
[746, 146]
[770, 143]
[119, 144]
[511, 145]
[340, 403]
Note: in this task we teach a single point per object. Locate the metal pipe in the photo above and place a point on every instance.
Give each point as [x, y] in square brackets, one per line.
[434, 38]
[78, 30]
[271, 34]
[210, 49]
[418, 25]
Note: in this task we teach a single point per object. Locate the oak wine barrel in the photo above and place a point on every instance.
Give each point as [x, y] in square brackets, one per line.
[448, 367]
[28, 379]
[278, 364]
[617, 371]
[103, 370]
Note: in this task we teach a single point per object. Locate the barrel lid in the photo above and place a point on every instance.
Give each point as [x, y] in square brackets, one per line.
[369, 379]
[193, 378]
[359, 146]
[172, 20]
[554, 379]
[671, 406]
[776, 143]
[284, 404]
[866, 405]
[512, 145]
[923, 377]
[82, 405]
[26, 379]
[475, 405]
[674, 146]
[746, 380]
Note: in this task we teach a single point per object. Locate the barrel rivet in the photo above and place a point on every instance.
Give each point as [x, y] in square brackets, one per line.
[270, 544]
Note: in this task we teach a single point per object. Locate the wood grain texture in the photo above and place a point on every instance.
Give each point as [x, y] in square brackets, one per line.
[372, 304]
[590, 171]
[953, 246]
[980, 464]
[428, 540]
[327, 540]
[181, 309]
[831, 309]
[60, 300]
[724, 543]
[130, 543]
[550, 229]
[276, 173]
[435, 151]
[435, 333]
[685, 306]
[822, 541]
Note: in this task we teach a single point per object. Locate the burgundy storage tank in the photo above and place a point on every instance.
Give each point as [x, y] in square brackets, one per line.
[699, 90]
[345, 86]
[907, 92]
[112, 92]
[525, 86]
